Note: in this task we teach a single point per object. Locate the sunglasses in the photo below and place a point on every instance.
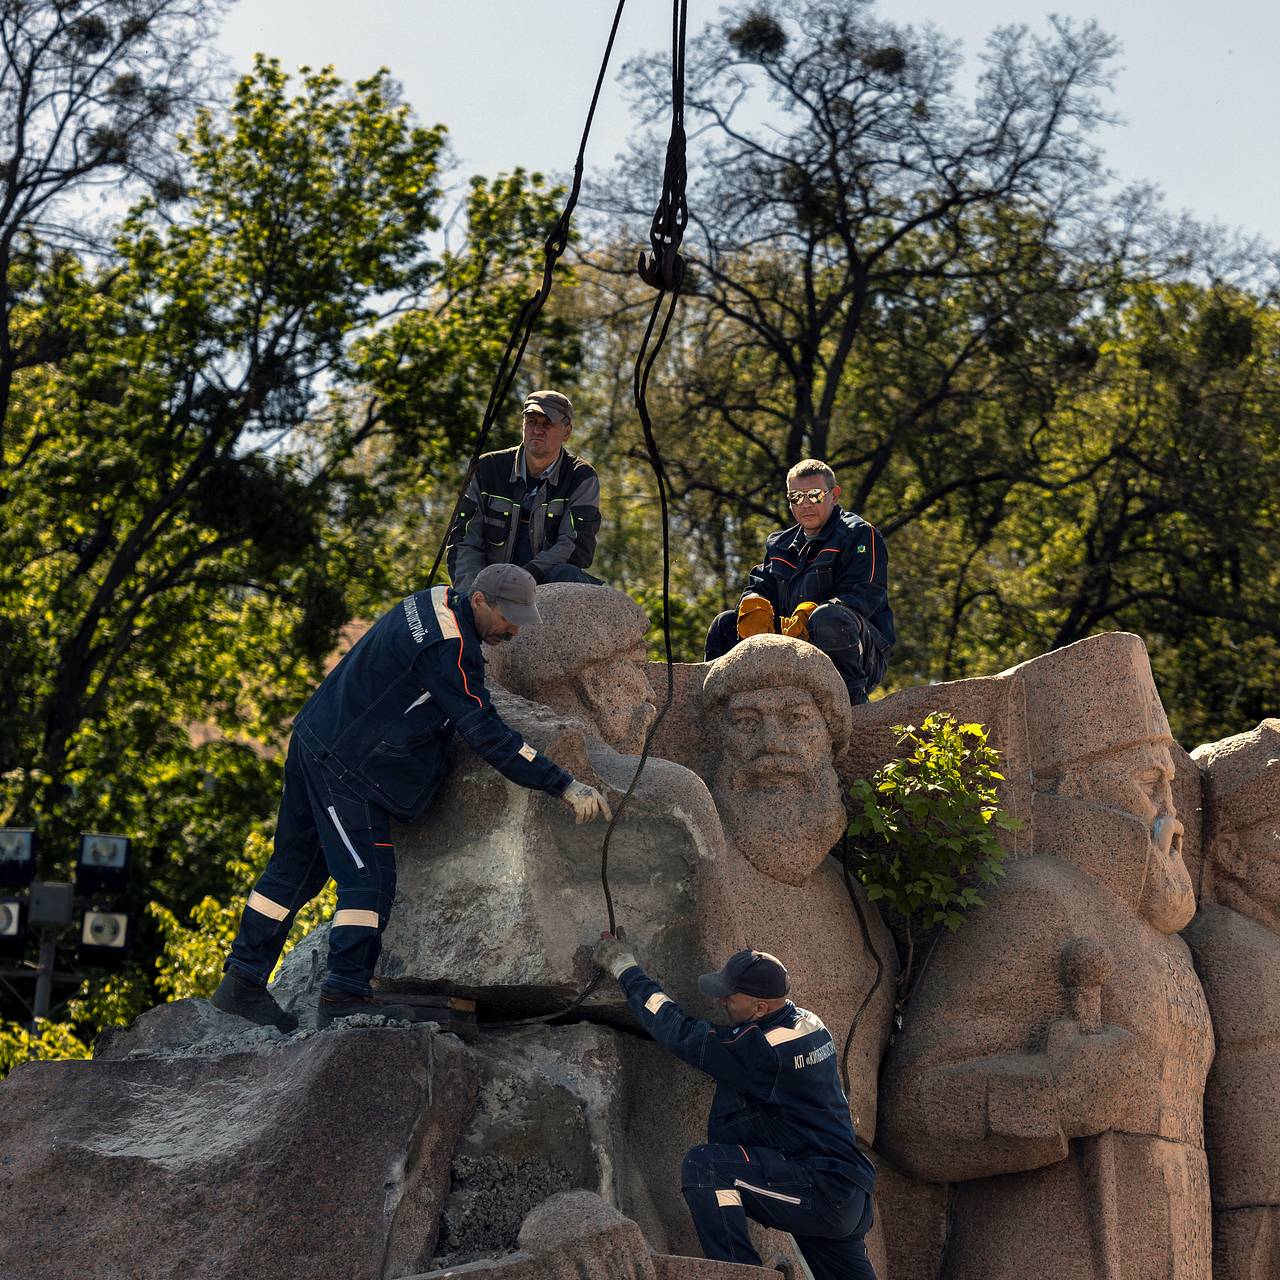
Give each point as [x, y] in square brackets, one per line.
[796, 497]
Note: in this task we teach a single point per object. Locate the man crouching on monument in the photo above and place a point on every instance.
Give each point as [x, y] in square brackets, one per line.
[781, 1148]
[824, 580]
[371, 745]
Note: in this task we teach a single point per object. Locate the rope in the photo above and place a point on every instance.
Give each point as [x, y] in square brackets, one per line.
[871, 946]
[553, 248]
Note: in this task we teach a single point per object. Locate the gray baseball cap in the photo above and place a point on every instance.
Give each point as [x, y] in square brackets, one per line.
[511, 590]
[753, 973]
[555, 405]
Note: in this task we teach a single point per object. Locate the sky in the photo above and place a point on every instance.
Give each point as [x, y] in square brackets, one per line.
[1198, 87]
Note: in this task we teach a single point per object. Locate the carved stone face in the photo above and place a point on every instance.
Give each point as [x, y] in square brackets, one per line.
[618, 697]
[774, 783]
[1242, 821]
[773, 739]
[1135, 830]
[1260, 852]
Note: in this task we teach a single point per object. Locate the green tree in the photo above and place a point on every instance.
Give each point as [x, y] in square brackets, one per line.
[873, 217]
[90, 94]
[199, 477]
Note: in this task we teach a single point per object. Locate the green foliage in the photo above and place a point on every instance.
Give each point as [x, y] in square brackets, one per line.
[925, 826]
[49, 1042]
[190, 963]
[203, 470]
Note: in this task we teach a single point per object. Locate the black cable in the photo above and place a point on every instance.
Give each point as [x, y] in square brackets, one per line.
[871, 946]
[553, 247]
[666, 274]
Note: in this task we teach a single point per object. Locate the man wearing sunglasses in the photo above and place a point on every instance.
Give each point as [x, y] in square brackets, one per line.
[825, 580]
[536, 506]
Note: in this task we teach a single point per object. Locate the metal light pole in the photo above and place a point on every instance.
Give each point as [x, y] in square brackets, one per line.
[44, 972]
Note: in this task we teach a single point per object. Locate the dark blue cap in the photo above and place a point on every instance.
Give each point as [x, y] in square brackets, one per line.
[749, 973]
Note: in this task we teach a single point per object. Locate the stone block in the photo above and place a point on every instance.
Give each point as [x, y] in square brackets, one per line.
[323, 1154]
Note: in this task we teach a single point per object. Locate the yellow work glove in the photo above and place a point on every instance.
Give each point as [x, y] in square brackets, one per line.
[755, 617]
[797, 624]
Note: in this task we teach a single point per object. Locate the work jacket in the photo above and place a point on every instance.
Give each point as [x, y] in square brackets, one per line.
[562, 524]
[383, 719]
[777, 1080]
[846, 561]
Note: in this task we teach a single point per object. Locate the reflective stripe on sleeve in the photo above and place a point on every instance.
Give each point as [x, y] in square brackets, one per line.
[656, 1001]
[355, 919]
[265, 907]
[444, 615]
[726, 1198]
[806, 1025]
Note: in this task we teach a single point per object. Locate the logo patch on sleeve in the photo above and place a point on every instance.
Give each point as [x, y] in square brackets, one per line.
[862, 546]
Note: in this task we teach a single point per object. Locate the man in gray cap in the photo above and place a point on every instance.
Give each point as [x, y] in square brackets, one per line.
[536, 505]
[371, 745]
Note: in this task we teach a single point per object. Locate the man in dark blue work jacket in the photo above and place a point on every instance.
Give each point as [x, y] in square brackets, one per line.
[780, 1145]
[370, 745]
[824, 579]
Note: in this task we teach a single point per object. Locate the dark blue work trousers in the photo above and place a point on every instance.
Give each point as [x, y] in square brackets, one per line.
[324, 829]
[840, 632]
[569, 573]
[827, 1215]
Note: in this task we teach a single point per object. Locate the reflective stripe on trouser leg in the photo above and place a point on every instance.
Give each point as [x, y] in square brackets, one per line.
[706, 1181]
[363, 864]
[355, 936]
[293, 876]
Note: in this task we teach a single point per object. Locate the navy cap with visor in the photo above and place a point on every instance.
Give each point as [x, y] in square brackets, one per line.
[748, 973]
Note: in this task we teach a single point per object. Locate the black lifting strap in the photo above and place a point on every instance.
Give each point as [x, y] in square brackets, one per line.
[553, 248]
[665, 274]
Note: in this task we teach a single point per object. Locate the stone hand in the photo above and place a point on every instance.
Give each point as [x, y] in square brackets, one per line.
[586, 802]
[755, 617]
[613, 955]
[1096, 1074]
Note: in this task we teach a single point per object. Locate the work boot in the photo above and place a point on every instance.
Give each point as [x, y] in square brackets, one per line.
[343, 1004]
[249, 1001]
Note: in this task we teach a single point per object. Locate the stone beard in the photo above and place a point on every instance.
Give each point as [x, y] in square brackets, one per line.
[776, 792]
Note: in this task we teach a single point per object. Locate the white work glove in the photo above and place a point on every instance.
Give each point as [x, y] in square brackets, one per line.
[586, 802]
[614, 954]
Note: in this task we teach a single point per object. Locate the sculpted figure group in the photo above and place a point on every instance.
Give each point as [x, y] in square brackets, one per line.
[1088, 1066]
[1056, 1063]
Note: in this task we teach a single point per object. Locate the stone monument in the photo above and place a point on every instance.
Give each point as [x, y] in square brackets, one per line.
[1235, 941]
[1053, 1059]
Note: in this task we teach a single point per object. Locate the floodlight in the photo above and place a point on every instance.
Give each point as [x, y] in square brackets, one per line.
[13, 927]
[104, 937]
[17, 857]
[103, 864]
[52, 902]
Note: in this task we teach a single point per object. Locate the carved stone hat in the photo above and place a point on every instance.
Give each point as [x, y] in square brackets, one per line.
[1242, 777]
[779, 662]
[1089, 699]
